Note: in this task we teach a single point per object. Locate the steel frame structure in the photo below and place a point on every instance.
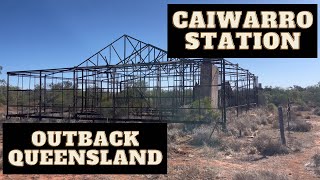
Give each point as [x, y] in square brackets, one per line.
[129, 80]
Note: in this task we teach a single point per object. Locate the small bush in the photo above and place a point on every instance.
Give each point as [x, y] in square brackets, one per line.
[1, 160]
[275, 125]
[261, 175]
[316, 160]
[299, 126]
[316, 111]
[315, 163]
[268, 146]
[234, 145]
[271, 119]
[186, 172]
[208, 152]
[244, 124]
[195, 172]
[271, 108]
[263, 120]
[190, 172]
[173, 135]
[201, 136]
[303, 107]
[296, 145]
[190, 127]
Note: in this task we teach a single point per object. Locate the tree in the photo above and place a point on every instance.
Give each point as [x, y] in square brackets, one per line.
[2, 89]
[2, 81]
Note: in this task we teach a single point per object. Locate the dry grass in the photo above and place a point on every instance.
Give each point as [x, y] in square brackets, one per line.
[233, 144]
[303, 107]
[201, 136]
[174, 134]
[209, 152]
[195, 172]
[1, 160]
[269, 146]
[247, 123]
[261, 175]
[315, 163]
[316, 111]
[316, 160]
[272, 108]
[299, 126]
[186, 172]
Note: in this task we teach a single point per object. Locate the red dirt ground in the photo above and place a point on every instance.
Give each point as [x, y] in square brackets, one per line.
[292, 165]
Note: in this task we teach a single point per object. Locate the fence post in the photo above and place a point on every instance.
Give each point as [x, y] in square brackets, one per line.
[289, 114]
[281, 126]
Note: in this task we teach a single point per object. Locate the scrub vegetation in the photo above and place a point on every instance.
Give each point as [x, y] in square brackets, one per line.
[250, 148]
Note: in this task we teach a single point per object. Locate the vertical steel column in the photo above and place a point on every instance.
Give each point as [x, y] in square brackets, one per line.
[94, 99]
[247, 90]
[74, 92]
[124, 49]
[22, 103]
[8, 78]
[141, 103]
[86, 92]
[62, 89]
[254, 88]
[194, 84]
[127, 89]
[34, 94]
[45, 93]
[101, 97]
[82, 90]
[29, 98]
[237, 92]
[40, 100]
[249, 95]
[17, 101]
[224, 124]
[159, 80]
[257, 90]
[183, 93]
[113, 92]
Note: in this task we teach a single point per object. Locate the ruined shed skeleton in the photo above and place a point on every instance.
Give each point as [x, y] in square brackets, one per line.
[130, 80]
